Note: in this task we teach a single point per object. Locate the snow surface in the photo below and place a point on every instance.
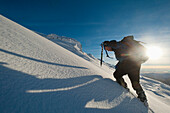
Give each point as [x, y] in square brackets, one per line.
[40, 76]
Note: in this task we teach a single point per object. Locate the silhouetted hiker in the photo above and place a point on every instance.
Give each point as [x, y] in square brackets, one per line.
[130, 54]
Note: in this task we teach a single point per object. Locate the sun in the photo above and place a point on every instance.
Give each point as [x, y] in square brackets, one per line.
[154, 52]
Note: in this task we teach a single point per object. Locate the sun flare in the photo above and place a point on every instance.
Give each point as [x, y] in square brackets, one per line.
[154, 52]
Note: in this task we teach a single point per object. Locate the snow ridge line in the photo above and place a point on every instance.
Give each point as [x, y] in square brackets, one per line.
[61, 89]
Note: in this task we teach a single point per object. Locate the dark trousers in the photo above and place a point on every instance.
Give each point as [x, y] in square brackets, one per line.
[132, 69]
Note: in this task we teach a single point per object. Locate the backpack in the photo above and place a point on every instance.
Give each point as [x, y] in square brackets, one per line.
[134, 49]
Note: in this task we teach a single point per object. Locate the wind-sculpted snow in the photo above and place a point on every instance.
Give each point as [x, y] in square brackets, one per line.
[67, 40]
[40, 76]
[163, 77]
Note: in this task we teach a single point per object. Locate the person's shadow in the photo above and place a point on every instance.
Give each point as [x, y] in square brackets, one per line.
[24, 93]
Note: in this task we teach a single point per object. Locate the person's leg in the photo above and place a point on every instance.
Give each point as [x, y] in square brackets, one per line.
[134, 77]
[118, 74]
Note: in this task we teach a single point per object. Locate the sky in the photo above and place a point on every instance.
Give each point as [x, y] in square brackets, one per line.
[93, 21]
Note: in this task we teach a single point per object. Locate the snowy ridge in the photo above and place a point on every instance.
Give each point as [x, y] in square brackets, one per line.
[72, 45]
[40, 76]
[71, 41]
[65, 39]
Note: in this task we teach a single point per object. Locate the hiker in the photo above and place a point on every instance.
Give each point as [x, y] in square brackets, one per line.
[130, 55]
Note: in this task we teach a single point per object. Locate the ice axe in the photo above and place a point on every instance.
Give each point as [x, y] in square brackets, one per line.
[101, 59]
[107, 55]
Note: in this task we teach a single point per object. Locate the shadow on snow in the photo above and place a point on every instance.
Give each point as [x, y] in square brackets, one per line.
[73, 96]
[38, 60]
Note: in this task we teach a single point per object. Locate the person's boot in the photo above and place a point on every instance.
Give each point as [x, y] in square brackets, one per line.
[142, 96]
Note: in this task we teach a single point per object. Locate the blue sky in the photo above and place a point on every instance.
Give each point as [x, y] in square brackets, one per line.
[94, 21]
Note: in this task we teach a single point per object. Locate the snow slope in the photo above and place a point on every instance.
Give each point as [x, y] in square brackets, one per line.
[39, 76]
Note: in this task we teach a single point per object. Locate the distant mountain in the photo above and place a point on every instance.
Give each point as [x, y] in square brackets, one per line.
[70, 44]
[54, 37]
